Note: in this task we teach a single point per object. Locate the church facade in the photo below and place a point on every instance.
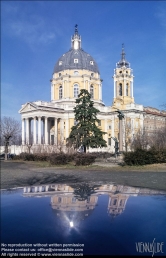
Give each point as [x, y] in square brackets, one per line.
[49, 123]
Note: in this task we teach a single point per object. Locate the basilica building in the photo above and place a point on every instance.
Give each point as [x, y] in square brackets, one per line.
[49, 123]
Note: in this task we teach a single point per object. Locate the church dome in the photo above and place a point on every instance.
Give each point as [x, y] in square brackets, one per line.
[76, 57]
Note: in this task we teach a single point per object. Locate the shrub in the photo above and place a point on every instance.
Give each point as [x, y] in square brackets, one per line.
[84, 159]
[16, 157]
[103, 155]
[143, 157]
[58, 159]
[41, 157]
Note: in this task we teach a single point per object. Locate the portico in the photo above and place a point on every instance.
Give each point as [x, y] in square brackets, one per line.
[41, 127]
[37, 130]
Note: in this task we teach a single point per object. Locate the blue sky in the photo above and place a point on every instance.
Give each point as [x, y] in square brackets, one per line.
[34, 34]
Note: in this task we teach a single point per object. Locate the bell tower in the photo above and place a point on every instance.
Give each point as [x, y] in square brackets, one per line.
[123, 83]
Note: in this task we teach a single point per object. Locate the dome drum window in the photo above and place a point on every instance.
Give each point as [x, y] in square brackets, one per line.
[76, 90]
[76, 73]
[92, 91]
[60, 92]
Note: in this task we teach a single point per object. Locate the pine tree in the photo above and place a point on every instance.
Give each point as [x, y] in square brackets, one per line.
[86, 133]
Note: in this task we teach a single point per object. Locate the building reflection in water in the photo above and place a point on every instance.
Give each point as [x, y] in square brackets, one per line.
[74, 203]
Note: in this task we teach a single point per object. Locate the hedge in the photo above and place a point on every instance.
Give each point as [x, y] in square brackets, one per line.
[143, 157]
[59, 158]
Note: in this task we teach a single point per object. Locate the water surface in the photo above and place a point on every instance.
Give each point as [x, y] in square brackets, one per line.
[102, 219]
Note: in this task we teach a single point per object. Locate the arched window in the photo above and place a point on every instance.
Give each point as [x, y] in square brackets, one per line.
[115, 201]
[76, 90]
[127, 89]
[92, 91]
[60, 92]
[120, 89]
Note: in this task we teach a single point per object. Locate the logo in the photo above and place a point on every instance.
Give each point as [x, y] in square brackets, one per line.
[153, 247]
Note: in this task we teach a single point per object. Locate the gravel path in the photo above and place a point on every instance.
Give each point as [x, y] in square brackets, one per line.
[18, 174]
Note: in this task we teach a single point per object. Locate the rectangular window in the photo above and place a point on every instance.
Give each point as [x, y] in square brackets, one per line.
[109, 141]
[99, 123]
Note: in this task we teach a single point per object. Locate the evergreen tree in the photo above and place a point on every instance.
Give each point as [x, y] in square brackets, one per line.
[86, 133]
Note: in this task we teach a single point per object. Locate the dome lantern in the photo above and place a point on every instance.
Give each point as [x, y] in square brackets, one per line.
[76, 39]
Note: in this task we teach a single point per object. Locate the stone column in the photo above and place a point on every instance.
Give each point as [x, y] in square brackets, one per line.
[39, 130]
[40, 188]
[114, 89]
[101, 91]
[106, 129]
[62, 131]
[30, 132]
[36, 189]
[112, 132]
[23, 132]
[45, 130]
[27, 131]
[34, 130]
[67, 128]
[52, 91]
[55, 131]
[63, 90]
[124, 88]
[131, 89]
[49, 126]
[46, 188]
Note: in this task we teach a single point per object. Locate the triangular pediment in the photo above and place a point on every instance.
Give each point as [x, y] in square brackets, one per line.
[28, 107]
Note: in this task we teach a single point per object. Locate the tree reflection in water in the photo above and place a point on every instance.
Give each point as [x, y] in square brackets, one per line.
[83, 191]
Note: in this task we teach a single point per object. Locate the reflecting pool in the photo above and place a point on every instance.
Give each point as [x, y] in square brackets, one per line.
[81, 219]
